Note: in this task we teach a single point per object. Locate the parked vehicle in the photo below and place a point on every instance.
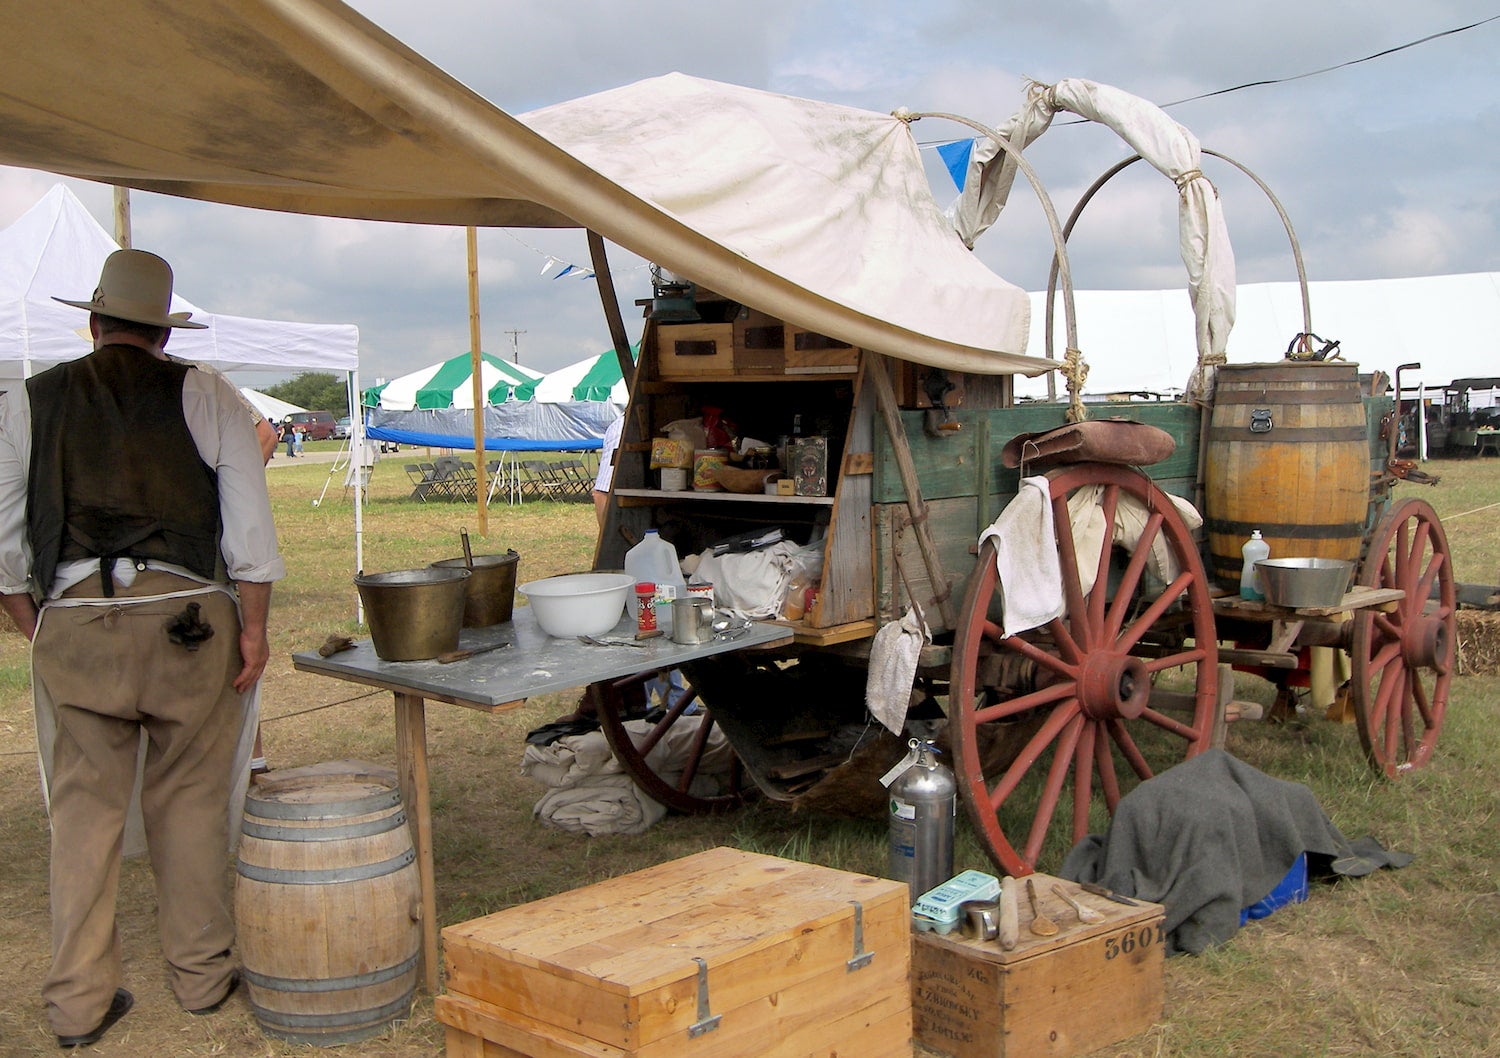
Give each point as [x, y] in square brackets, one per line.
[342, 427]
[318, 425]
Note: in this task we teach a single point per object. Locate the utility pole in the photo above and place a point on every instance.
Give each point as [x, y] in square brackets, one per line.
[515, 345]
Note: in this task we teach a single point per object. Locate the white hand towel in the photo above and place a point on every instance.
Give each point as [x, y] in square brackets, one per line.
[1026, 558]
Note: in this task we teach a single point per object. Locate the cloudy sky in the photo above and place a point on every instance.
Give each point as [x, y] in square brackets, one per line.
[1388, 168]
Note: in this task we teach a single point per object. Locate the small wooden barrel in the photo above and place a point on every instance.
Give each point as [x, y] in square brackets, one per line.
[327, 903]
[1288, 453]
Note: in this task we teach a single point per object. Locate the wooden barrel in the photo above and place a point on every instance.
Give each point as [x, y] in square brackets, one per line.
[327, 903]
[1288, 453]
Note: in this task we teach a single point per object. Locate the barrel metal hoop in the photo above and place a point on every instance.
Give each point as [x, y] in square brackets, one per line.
[360, 806]
[331, 984]
[1261, 396]
[369, 828]
[282, 876]
[375, 1017]
[1288, 434]
[1334, 531]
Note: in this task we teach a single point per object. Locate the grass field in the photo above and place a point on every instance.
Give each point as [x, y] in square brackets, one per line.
[1401, 963]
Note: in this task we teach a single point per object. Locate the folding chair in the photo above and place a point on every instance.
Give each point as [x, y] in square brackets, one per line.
[438, 485]
[421, 481]
[543, 480]
[572, 473]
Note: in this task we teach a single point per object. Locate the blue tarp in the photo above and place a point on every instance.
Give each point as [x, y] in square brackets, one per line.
[515, 426]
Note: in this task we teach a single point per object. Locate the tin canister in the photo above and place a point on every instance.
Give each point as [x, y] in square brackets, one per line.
[705, 462]
[674, 479]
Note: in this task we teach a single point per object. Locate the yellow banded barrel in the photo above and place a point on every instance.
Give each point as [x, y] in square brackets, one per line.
[327, 904]
[1288, 453]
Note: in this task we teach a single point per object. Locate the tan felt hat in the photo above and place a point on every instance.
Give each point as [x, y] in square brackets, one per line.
[135, 285]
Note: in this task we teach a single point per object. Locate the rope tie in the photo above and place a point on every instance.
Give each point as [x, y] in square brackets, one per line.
[1187, 178]
[1076, 372]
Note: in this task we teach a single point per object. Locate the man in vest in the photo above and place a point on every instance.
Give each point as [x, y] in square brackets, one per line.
[137, 552]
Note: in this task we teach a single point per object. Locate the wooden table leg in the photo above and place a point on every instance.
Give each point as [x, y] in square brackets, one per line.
[411, 771]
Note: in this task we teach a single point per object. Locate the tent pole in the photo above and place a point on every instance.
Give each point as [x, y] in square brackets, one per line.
[476, 383]
[357, 464]
[600, 263]
[122, 216]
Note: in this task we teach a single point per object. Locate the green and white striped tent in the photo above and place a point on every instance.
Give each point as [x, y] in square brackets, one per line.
[448, 385]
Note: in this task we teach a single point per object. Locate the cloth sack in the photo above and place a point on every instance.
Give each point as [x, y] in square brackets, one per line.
[1122, 441]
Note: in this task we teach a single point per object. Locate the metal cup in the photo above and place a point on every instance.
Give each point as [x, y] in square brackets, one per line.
[692, 620]
[981, 919]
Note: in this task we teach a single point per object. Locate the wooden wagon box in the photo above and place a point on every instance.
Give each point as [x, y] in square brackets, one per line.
[717, 955]
[1085, 988]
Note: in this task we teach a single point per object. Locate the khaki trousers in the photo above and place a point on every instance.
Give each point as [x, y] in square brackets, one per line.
[111, 673]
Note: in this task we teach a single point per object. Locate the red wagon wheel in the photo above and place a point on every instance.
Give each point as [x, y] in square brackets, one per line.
[1080, 690]
[619, 701]
[1403, 660]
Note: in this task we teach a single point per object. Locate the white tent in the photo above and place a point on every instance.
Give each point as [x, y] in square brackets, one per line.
[1143, 340]
[269, 406]
[56, 248]
[557, 386]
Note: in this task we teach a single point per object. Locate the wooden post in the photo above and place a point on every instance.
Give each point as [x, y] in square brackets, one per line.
[476, 385]
[411, 774]
[878, 373]
[606, 283]
[122, 216]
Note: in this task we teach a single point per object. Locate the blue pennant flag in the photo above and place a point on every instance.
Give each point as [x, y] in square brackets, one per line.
[955, 156]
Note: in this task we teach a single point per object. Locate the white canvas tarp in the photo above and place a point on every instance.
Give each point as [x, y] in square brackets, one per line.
[817, 213]
[56, 248]
[1143, 340]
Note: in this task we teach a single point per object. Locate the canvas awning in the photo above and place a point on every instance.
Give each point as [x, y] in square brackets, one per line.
[820, 214]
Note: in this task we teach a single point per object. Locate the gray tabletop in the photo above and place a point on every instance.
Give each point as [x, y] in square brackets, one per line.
[531, 662]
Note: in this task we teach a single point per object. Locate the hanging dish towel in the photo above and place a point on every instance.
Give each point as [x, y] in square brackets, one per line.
[893, 669]
[1026, 558]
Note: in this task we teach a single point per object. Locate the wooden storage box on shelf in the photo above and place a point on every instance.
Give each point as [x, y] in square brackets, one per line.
[1049, 997]
[759, 344]
[800, 961]
[810, 353]
[690, 350]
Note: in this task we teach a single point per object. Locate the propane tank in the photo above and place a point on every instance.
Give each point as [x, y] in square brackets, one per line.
[923, 801]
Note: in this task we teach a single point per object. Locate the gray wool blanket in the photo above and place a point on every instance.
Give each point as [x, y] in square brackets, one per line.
[1211, 836]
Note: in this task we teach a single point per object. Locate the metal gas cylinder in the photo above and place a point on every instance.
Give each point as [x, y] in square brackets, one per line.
[923, 802]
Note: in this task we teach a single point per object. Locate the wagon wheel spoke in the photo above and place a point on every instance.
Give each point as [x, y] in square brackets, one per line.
[1070, 708]
[617, 702]
[1403, 660]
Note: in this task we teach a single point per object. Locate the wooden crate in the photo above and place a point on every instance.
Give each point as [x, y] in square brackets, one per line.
[759, 344]
[690, 350]
[1087, 987]
[809, 353]
[611, 970]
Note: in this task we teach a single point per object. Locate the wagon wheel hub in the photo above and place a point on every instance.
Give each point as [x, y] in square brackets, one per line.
[1113, 686]
[1424, 644]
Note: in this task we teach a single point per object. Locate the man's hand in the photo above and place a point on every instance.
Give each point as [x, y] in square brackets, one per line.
[255, 650]
[22, 610]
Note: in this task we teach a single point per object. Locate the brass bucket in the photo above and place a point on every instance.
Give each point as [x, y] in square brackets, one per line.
[491, 590]
[414, 614]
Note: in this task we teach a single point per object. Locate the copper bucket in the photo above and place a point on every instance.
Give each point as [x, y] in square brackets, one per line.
[491, 589]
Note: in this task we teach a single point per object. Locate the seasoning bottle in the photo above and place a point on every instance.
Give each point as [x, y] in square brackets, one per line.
[645, 614]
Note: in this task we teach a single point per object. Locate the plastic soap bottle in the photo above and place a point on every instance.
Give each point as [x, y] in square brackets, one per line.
[655, 560]
[1254, 550]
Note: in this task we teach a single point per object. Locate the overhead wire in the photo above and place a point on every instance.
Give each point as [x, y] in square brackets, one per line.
[1293, 77]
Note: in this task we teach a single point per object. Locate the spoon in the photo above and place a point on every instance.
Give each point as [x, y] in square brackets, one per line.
[1085, 914]
[1041, 925]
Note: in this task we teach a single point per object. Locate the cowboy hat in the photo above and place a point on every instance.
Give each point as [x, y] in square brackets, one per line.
[135, 285]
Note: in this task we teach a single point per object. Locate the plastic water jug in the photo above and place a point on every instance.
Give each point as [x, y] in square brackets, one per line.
[655, 560]
[1254, 550]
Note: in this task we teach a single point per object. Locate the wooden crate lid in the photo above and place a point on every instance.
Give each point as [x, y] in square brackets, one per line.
[1070, 929]
[641, 931]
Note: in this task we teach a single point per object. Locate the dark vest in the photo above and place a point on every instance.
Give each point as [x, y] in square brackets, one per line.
[114, 470]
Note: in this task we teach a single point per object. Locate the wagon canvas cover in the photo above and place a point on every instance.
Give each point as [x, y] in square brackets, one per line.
[817, 213]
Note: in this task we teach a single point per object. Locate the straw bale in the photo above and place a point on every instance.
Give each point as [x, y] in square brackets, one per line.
[1478, 642]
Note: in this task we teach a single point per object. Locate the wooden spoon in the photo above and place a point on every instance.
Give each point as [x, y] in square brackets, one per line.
[1041, 925]
[1085, 914]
